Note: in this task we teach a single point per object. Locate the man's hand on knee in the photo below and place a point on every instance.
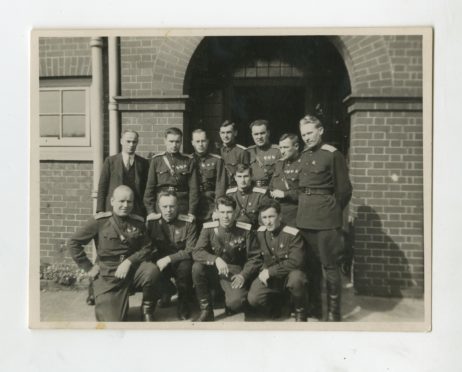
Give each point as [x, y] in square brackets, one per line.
[122, 269]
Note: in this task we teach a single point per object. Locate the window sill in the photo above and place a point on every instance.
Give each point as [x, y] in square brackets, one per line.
[67, 153]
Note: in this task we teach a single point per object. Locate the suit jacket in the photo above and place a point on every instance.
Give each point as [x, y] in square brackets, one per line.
[112, 176]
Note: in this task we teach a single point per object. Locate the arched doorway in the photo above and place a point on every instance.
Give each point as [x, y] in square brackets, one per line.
[275, 78]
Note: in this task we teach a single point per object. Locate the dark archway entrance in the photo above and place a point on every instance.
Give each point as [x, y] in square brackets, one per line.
[275, 78]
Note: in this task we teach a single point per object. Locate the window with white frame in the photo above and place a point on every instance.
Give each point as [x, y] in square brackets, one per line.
[64, 116]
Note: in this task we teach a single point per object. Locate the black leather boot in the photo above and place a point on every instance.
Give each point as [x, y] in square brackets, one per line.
[183, 311]
[91, 294]
[300, 310]
[333, 303]
[206, 314]
[147, 311]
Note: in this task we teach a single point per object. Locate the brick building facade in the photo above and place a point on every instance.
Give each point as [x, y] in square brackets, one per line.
[367, 89]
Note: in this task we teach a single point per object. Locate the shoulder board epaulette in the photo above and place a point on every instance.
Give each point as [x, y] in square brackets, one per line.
[99, 215]
[251, 147]
[153, 217]
[209, 225]
[328, 148]
[185, 218]
[290, 230]
[216, 156]
[136, 217]
[231, 190]
[262, 228]
[243, 225]
[159, 154]
[275, 146]
[241, 147]
[259, 189]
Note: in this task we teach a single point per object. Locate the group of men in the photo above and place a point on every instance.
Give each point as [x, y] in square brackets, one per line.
[260, 223]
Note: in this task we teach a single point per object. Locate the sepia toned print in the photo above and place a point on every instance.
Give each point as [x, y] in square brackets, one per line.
[275, 179]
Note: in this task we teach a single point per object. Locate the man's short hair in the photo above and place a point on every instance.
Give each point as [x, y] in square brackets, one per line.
[310, 119]
[173, 130]
[122, 188]
[258, 122]
[241, 167]
[271, 203]
[163, 194]
[228, 123]
[130, 131]
[198, 131]
[226, 201]
[291, 136]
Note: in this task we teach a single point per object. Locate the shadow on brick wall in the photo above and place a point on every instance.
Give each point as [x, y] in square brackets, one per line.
[380, 264]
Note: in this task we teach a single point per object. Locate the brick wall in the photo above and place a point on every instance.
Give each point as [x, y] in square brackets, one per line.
[65, 204]
[60, 56]
[386, 171]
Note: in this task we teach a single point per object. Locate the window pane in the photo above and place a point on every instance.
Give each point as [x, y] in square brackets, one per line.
[49, 102]
[73, 101]
[49, 126]
[73, 126]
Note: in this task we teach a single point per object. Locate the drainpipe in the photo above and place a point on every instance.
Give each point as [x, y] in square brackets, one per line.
[114, 132]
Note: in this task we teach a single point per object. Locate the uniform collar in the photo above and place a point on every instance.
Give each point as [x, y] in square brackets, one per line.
[201, 156]
[228, 147]
[265, 147]
[315, 148]
[247, 190]
[277, 231]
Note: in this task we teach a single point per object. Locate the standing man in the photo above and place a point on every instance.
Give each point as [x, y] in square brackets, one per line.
[175, 236]
[284, 183]
[123, 248]
[232, 153]
[225, 252]
[248, 198]
[263, 155]
[325, 191]
[173, 171]
[283, 261]
[212, 175]
[125, 168]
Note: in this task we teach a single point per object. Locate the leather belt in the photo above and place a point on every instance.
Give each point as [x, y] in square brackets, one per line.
[172, 189]
[311, 191]
[203, 187]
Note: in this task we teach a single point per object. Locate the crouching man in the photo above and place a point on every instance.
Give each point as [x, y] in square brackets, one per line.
[283, 255]
[226, 252]
[174, 235]
[122, 247]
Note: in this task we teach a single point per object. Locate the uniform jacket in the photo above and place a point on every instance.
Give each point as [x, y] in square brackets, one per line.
[175, 239]
[112, 248]
[172, 170]
[323, 168]
[112, 177]
[236, 245]
[247, 203]
[282, 250]
[232, 156]
[262, 161]
[286, 178]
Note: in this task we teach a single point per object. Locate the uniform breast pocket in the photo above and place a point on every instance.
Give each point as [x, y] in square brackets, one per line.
[318, 169]
[210, 173]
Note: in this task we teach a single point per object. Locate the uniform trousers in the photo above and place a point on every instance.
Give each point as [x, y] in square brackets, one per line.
[181, 272]
[112, 306]
[205, 277]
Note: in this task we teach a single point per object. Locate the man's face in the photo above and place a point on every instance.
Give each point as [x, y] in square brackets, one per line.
[129, 141]
[168, 207]
[173, 143]
[122, 202]
[200, 142]
[287, 148]
[260, 135]
[243, 179]
[225, 215]
[271, 219]
[228, 134]
[311, 135]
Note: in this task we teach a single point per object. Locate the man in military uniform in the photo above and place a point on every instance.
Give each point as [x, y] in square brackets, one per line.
[175, 236]
[248, 198]
[173, 171]
[325, 191]
[284, 183]
[123, 248]
[224, 252]
[212, 176]
[263, 155]
[232, 153]
[282, 249]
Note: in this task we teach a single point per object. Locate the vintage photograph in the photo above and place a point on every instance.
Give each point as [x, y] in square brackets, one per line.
[231, 179]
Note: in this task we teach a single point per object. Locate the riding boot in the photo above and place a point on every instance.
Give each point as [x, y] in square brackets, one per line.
[300, 310]
[183, 309]
[333, 303]
[91, 294]
[147, 311]
[206, 314]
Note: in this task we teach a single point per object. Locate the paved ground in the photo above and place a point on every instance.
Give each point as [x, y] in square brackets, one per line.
[70, 306]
